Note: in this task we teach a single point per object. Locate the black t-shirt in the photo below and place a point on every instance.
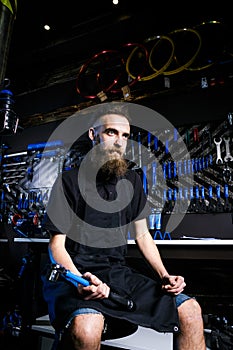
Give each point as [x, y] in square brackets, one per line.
[97, 215]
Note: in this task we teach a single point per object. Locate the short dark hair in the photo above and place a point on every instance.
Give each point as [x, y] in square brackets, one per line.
[119, 108]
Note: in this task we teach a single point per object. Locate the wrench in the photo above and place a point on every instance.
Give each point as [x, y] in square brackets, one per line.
[218, 149]
[228, 155]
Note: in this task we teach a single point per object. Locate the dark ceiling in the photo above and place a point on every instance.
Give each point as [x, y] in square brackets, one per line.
[40, 59]
[80, 28]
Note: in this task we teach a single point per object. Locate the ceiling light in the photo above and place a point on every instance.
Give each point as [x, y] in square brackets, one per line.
[47, 27]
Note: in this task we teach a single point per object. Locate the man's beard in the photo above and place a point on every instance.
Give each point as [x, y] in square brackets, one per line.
[117, 167]
[112, 166]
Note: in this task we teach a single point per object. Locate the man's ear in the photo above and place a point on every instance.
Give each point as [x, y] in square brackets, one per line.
[91, 134]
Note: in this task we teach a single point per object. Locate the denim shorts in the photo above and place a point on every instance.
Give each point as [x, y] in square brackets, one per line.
[180, 298]
[81, 311]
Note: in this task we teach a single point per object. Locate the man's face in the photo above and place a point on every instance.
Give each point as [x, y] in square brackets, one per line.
[111, 133]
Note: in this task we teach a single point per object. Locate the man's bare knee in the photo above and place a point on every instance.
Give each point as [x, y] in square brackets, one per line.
[86, 331]
[190, 311]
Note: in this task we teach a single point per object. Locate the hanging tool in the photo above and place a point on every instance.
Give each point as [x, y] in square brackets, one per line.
[156, 144]
[149, 141]
[132, 147]
[227, 205]
[228, 156]
[192, 206]
[219, 159]
[182, 202]
[197, 201]
[219, 206]
[203, 208]
[211, 205]
[227, 174]
[145, 187]
[154, 178]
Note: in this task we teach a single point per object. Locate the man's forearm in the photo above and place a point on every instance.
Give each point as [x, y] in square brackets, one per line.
[150, 251]
[58, 254]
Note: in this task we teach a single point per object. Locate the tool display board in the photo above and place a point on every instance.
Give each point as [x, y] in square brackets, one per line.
[26, 177]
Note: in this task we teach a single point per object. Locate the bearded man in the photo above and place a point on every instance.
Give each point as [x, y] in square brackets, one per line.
[91, 209]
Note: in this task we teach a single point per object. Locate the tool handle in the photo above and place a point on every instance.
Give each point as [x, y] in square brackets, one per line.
[126, 303]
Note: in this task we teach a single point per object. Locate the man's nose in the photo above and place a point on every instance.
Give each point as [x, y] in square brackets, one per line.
[119, 141]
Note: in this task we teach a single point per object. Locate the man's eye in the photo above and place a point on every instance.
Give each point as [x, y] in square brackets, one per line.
[110, 132]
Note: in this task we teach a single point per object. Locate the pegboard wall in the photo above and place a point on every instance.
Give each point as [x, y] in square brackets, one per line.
[27, 176]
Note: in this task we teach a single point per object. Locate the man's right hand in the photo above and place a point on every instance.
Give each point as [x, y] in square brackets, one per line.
[96, 290]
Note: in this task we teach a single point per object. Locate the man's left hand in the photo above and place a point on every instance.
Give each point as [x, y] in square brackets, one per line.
[173, 284]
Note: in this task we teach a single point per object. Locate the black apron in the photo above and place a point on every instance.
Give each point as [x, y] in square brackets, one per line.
[154, 308]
